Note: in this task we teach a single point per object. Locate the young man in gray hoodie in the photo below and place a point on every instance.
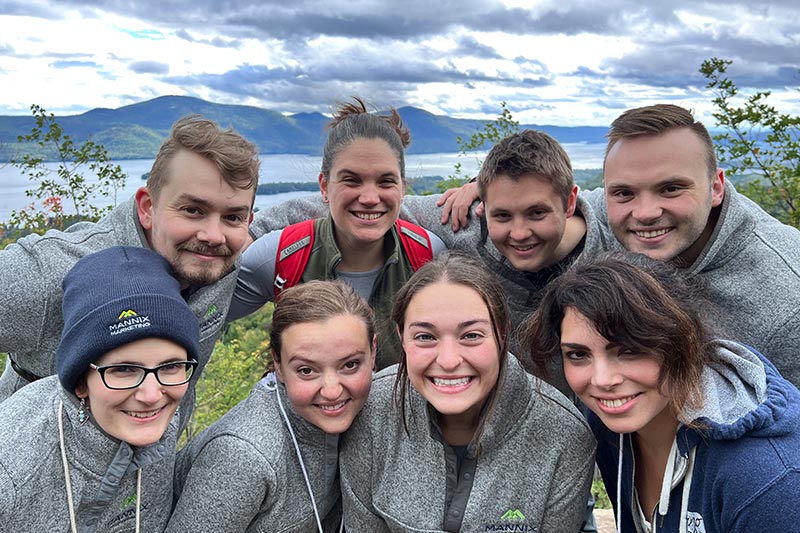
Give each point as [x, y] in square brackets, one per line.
[665, 197]
[194, 211]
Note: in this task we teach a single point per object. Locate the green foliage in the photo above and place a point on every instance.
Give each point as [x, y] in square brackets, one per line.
[239, 360]
[66, 182]
[601, 500]
[491, 132]
[757, 139]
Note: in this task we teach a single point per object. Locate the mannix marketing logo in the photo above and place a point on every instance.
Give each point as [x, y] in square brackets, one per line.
[128, 320]
[511, 520]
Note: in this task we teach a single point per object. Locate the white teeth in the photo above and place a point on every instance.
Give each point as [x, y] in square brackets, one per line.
[368, 216]
[651, 234]
[142, 414]
[333, 407]
[616, 403]
[440, 382]
[523, 248]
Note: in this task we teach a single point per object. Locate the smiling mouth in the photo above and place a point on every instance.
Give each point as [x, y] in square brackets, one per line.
[143, 414]
[619, 402]
[523, 247]
[455, 382]
[653, 233]
[368, 216]
[334, 407]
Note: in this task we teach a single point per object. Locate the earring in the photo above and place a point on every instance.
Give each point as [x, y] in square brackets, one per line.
[178, 412]
[83, 414]
[325, 198]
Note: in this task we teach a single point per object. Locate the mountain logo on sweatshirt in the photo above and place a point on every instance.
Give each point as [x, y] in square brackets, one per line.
[511, 520]
[513, 514]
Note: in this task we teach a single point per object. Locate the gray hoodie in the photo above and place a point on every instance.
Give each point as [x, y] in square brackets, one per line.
[532, 472]
[750, 268]
[103, 470]
[242, 473]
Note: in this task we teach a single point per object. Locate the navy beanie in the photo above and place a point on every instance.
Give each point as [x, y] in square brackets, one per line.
[117, 296]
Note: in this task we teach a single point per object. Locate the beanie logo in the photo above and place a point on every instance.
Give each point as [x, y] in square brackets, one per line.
[128, 320]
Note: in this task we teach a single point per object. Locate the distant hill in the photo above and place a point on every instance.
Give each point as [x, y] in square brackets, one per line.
[136, 131]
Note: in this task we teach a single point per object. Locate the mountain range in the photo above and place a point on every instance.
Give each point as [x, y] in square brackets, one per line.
[136, 131]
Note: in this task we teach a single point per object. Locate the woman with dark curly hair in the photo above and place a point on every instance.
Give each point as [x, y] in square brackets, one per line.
[694, 433]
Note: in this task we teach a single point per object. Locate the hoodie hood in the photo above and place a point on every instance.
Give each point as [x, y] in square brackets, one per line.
[744, 396]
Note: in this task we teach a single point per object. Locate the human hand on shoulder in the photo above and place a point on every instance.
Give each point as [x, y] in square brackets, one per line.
[456, 204]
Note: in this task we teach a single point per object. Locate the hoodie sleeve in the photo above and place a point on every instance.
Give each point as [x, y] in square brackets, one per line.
[770, 509]
[287, 213]
[28, 297]
[224, 489]
[355, 470]
[566, 505]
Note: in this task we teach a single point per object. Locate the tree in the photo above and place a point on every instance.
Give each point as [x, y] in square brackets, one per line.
[757, 140]
[66, 182]
[239, 360]
[491, 132]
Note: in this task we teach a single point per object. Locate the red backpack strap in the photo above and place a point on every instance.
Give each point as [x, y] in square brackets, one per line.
[416, 243]
[294, 249]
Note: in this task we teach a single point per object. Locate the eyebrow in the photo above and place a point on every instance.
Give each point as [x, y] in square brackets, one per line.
[660, 183]
[305, 360]
[345, 170]
[186, 197]
[461, 325]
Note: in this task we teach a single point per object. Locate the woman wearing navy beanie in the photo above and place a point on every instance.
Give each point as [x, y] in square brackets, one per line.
[93, 448]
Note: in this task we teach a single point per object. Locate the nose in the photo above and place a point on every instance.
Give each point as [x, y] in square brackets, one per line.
[369, 195]
[150, 391]
[646, 210]
[331, 387]
[605, 373]
[211, 232]
[448, 356]
[519, 230]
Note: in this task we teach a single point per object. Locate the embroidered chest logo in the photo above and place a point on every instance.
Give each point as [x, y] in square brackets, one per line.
[128, 320]
[127, 502]
[211, 319]
[694, 523]
[511, 520]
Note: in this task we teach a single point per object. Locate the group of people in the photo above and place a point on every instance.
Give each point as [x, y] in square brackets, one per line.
[651, 327]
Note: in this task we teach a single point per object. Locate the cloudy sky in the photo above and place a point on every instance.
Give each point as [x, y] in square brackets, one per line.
[567, 62]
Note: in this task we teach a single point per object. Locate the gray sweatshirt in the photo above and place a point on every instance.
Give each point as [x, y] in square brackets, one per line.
[532, 473]
[103, 470]
[242, 474]
[31, 272]
[750, 269]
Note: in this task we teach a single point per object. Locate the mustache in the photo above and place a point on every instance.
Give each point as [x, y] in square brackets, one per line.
[200, 248]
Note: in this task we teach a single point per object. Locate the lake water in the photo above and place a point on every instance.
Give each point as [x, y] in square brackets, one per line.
[279, 168]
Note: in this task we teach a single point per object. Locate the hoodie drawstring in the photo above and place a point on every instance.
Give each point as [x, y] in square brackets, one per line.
[619, 484]
[687, 487]
[666, 483]
[70, 504]
[299, 458]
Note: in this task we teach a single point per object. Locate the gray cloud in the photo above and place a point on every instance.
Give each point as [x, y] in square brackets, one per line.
[149, 67]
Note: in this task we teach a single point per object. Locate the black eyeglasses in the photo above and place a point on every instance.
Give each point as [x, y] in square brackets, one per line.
[121, 377]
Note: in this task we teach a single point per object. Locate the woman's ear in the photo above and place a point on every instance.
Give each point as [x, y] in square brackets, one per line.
[81, 390]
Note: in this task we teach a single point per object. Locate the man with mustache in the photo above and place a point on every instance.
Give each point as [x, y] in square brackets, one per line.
[194, 211]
